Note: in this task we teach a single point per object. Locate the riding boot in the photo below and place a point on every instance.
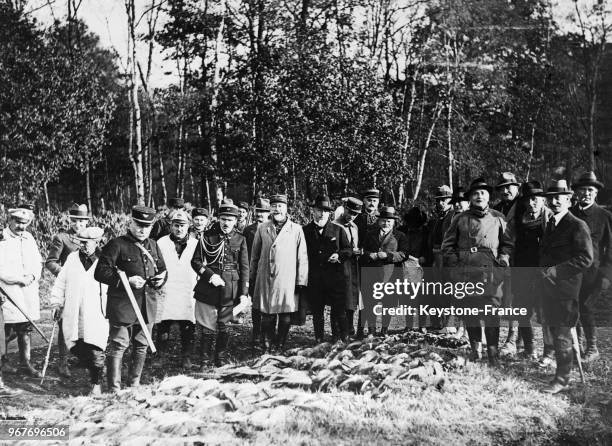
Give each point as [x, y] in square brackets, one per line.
[207, 346]
[283, 332]
[24, 340]
[591, 354]
[492, 335]
[526, 334]
[221, 355]
[136, 366]
[113, 373]
[509, 347]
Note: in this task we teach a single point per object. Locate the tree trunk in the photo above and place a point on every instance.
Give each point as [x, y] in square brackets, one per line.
[449, 147]
[46, 191]
[88, 186]
[421, 165]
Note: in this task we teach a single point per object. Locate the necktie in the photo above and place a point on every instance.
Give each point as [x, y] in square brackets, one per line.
[350, 231]
[550, 226]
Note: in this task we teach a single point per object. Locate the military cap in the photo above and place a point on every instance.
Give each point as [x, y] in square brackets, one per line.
[322, 202]
[180, 217]
[506, 179]
[588, 179]
[78, 212]
[278, 198]
[262, 204]
[353, 205]
[176, 202]
[197, 212]
[143, 214]
[21, 214]
[229, 209]
[558, 187]
[443, 191]
[370, 193]
[90, 233]
[479, 183]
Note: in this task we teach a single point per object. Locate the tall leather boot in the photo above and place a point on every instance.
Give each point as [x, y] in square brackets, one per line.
[221, 356]
[207, 346]
[591, 354]
[136, 366]
[24, 340]
[113, 373]
[492, 335]
[526, 334]
[562, 374]
[95, 375]
[283, 332]
[509, 347]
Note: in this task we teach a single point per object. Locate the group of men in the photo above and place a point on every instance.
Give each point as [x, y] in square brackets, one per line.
[186, 269]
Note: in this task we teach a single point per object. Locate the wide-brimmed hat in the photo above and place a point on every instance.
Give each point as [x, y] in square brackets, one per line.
[506, 179]
[322, 202]
[176, 202]
[532, 189]
[443, 191]
[479, 183]
[558, 187]
[388, 212]
[230, 210]
[90, 233]
[143, 214]
[370, 193]
[459, 195]
[354, 205]
[587, 179]
[78, 212]
[200, 212]
[262, 204]
[278, 198]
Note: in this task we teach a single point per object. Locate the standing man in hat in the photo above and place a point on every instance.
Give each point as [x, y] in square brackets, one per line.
[437, 227]
[526, 229]
[597, 277]
[201, 219]
[162, 226]
[367, 220]
[279, 271]
[222, 263]
[508, 188]
[384, 249]
[20, 271]
[352, 289]
[475, 246]
[262, 212]
[459, 201]
[178, 249]
[566, 253]
[243, 208]
[140, 258]
[77, 301]
[61, 246]
[328, 248]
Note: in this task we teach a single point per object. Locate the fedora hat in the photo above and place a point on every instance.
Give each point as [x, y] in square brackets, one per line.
[443, 191]
[262, 204]
[506, 179]
[587, 179]
[90, 233]
[479, 183]
[459, 195]
[353, 205]
[388, 212]
[78, 212]
[558, 187]
[532, 189]
[322, 202]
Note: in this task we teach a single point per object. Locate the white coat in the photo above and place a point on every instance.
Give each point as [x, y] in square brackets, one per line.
[178, 303]
[19, 256]
[83, 299]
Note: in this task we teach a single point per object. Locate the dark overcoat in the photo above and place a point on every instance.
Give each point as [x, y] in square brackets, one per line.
[61, 246]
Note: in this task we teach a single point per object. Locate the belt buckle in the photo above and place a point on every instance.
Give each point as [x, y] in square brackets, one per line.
[473, 249]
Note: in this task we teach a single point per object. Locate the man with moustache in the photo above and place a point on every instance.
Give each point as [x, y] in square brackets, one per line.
[328, 248]
[222, 264]
[352, 290]
[20, 271]
[526, 229]
[508, 188]
[474, 247]
[140, 258]
[61, 246]
[200, 220]
[279, 271]
[262, 213]
[243, 208]
[597, 277]
[162, 225]
[566, 253]
[367, 220]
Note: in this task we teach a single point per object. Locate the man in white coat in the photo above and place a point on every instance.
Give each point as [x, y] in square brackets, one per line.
[177, 248]
[279, 272]
[78, 300]
[20, 271]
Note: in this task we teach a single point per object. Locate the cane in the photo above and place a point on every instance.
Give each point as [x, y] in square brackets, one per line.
[46, 363]
[576, 348]
[130, 293]
[10, 299]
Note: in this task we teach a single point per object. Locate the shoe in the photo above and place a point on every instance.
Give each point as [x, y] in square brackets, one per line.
[591, 354]
[62, 368]
[528, 355]
[384, 331]
[546, 361]
[96, 390]
[555, 387]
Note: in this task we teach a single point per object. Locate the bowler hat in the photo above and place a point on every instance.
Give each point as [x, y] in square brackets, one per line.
[459, 195]
[558, 187]
[322, 202]
[478, 183]
[443, 191]
[532, 189]
[229, 209]
[262, 204]
[278, 198]
[506, 179]
[199, 212]
[78, 212]
[90, 233]
[353, 205]
[370, 193]
[587, 179]
[388, 212]
[143, 214]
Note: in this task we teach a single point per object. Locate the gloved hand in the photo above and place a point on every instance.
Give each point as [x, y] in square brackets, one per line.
[56, 313]
[216, 280]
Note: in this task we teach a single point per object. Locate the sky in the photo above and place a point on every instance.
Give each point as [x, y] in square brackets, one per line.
[108, 19]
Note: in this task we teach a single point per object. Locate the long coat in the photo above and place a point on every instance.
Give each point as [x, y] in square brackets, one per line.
[352, 276]
[177, 293]
[279, 263]
[567, 247]
[122, 253]
[326, 280]
[61, 246]
[19, 256]
[83, 299]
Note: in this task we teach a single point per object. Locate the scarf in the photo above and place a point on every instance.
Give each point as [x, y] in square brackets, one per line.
[179, 244]
[477, 212]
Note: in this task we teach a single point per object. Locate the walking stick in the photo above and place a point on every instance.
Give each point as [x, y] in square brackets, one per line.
[576, 348]
[130, 293]
[10, 299]
[46, 363]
